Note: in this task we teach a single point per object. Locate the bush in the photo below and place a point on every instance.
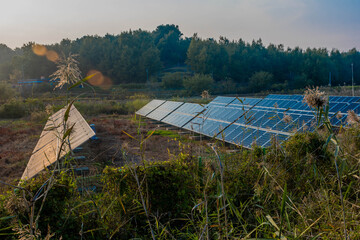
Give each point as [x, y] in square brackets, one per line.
[101, 107]
[226, 86]
[56, 211]
[39, 116]
[196, 84]
[34, 104]
[13, 109]
[136, 102]
[300, 81]
[7, 92]
[260, 81]
[172, 80]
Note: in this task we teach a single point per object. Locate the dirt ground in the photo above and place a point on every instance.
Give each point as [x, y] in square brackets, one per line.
[114, 147]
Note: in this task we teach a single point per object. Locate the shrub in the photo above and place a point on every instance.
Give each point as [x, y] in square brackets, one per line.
[38, 116]
[196, 84]
[303, 163]
[136, 102]
[13, 109]
[260, 81]
[101, 107]
[226, 86]
[7, 92]
[55, 214]
[34, 104]
[6, 219]
[172, 80]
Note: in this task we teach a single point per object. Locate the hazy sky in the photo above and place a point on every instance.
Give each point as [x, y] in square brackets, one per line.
[304, 23]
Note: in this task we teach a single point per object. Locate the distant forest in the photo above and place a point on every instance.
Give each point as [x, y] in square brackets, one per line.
[135, 56]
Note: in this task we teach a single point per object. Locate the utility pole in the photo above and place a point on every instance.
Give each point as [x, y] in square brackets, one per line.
[352, 78]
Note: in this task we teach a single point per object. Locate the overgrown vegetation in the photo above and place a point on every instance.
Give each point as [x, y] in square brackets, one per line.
[286, 191]
[39, 108]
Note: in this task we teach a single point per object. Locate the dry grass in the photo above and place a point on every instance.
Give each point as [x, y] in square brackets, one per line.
[314, 98]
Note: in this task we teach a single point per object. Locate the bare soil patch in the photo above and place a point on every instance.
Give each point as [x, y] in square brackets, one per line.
[18, 139]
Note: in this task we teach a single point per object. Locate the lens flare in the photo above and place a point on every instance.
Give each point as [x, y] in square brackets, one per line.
[106, 85]
[52, 56]
[39, 50]
[97, 79]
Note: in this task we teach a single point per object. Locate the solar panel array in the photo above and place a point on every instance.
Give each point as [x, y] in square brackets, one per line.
[248, 121]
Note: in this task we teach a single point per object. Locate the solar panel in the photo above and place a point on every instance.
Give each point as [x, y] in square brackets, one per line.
[164, 110]
[220, 101]
[246, 121]
[183, 114]
[148, 108]
[244, 102]
[223, 100]
[47, 149]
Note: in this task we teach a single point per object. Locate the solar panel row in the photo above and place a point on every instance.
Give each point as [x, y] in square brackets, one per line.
[245, 121]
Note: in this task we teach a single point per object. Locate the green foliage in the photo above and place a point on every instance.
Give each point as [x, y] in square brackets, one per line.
[226, 86]
[101, 107]
[7, 92]
[301, 81]
[248, 194]
[55, 213]
[6, 219]
[260, 81]
[196, 84]
[172, 80]
[306, 162]
[289, 189]
[169, 200]
[166, 133]
[136, 102]
[135, 56]
[13, 109]
[172, 47]
[208, 57]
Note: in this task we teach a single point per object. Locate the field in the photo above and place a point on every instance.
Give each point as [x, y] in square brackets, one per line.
[18, 139]
[147, 181]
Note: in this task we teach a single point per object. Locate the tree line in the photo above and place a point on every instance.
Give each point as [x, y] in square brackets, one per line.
[137, 56]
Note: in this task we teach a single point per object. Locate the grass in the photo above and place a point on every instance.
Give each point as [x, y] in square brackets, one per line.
[287, 192]
[166, 133]
[306, 188]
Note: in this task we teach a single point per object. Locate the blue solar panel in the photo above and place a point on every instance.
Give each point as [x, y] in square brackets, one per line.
[148, 108]
[352, 106]
[265, 139]
[343, 99]
[221, 101]
[248, 121]
[195, 125]
[239, 138]
[183, 114]
[252, 138]
[244, 102]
